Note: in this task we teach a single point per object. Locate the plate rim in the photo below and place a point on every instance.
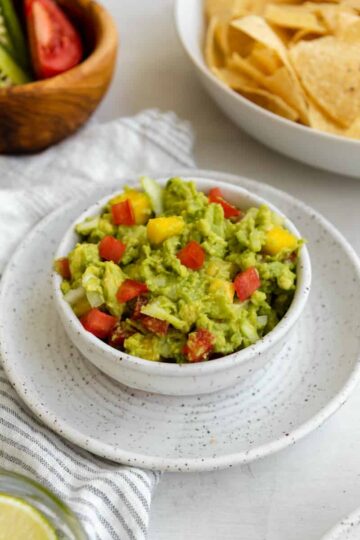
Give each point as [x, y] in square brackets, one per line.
[341, 527]
[114, 453]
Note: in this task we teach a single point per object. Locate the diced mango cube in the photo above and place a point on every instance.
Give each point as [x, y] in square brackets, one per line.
[159, 229]
[212, 269]
[140, 203]
[81, 307]
[278, 239]
[223, 287]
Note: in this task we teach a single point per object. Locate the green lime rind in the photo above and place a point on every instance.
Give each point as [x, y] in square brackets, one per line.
[24, 520]
[38, 492]
[15, 35]
[10, 72]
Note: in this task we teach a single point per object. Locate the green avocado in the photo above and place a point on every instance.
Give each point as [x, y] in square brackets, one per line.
[209, 301]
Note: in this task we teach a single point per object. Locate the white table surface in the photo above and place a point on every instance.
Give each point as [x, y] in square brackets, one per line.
[301, 492]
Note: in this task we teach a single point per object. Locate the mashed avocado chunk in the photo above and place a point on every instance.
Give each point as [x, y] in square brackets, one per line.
[172, 274]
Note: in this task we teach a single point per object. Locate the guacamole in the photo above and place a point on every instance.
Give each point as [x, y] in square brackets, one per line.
[171, 274]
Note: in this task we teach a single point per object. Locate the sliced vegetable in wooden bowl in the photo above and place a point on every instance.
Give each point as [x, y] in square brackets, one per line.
[35, 115]
[55, 43]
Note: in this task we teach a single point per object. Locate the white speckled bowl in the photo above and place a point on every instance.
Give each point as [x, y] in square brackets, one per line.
[185, 379]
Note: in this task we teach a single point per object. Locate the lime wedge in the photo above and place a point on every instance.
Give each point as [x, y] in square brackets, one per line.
[21, 521]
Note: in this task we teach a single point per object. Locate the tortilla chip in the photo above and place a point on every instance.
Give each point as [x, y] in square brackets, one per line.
[329, 14]
[238, 42]
[349, 28]
[281, 2]
[297, 59]
[302, 35]
[272, 103]
[227, 40]
[283, 85]
[245, 85]
[246, 68]
[265, 59]
[259, 30]
[217, 8]
[234, 79]
[232, 8]
[321, 121]
[221, 36]
[296, 17]
[213, 54]
[355, 4]
[354, 129]
[280, 83]
[284, 34]
[330, 72]
[258, 7]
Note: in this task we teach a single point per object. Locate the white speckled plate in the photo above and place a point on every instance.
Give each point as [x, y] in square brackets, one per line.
[346, 529]
[274, 408]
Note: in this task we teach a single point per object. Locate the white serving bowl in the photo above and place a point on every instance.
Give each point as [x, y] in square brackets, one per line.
[185, 379]
[323, 150]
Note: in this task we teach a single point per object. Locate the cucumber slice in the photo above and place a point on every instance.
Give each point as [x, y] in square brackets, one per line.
[10, 73]
[155, 193]
[5, 39]
[13, 35]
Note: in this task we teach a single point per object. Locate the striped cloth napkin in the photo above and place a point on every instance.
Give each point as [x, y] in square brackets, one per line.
[111, 500]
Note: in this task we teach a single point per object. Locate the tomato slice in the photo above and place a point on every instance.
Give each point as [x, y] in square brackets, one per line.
[123, 213]
[130, 289]
[140, 302]
[62, 267]
[118, 335]
[215, 196]
[98, 323]
[246, 283]
[199, 345]
[192, 255]
[111, 249]
[215, 193]
[55, 44]
[156, 326]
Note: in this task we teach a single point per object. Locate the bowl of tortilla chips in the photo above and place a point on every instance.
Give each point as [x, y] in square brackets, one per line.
[286, 71]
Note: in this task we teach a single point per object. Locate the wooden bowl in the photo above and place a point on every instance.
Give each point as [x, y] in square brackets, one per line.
[36, 115]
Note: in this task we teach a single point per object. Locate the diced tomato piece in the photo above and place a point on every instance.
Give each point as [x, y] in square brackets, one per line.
[130, 289]
[62, 267]
[246, 283]
[123, 213]
[199, 345]
[215, 196]
[98, 323]
[192, 255]
[156, 326]
[118, 335]
[55, 44]
[111, 249]
[140, 302]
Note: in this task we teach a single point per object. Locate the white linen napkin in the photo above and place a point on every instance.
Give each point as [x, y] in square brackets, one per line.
[111, 500]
